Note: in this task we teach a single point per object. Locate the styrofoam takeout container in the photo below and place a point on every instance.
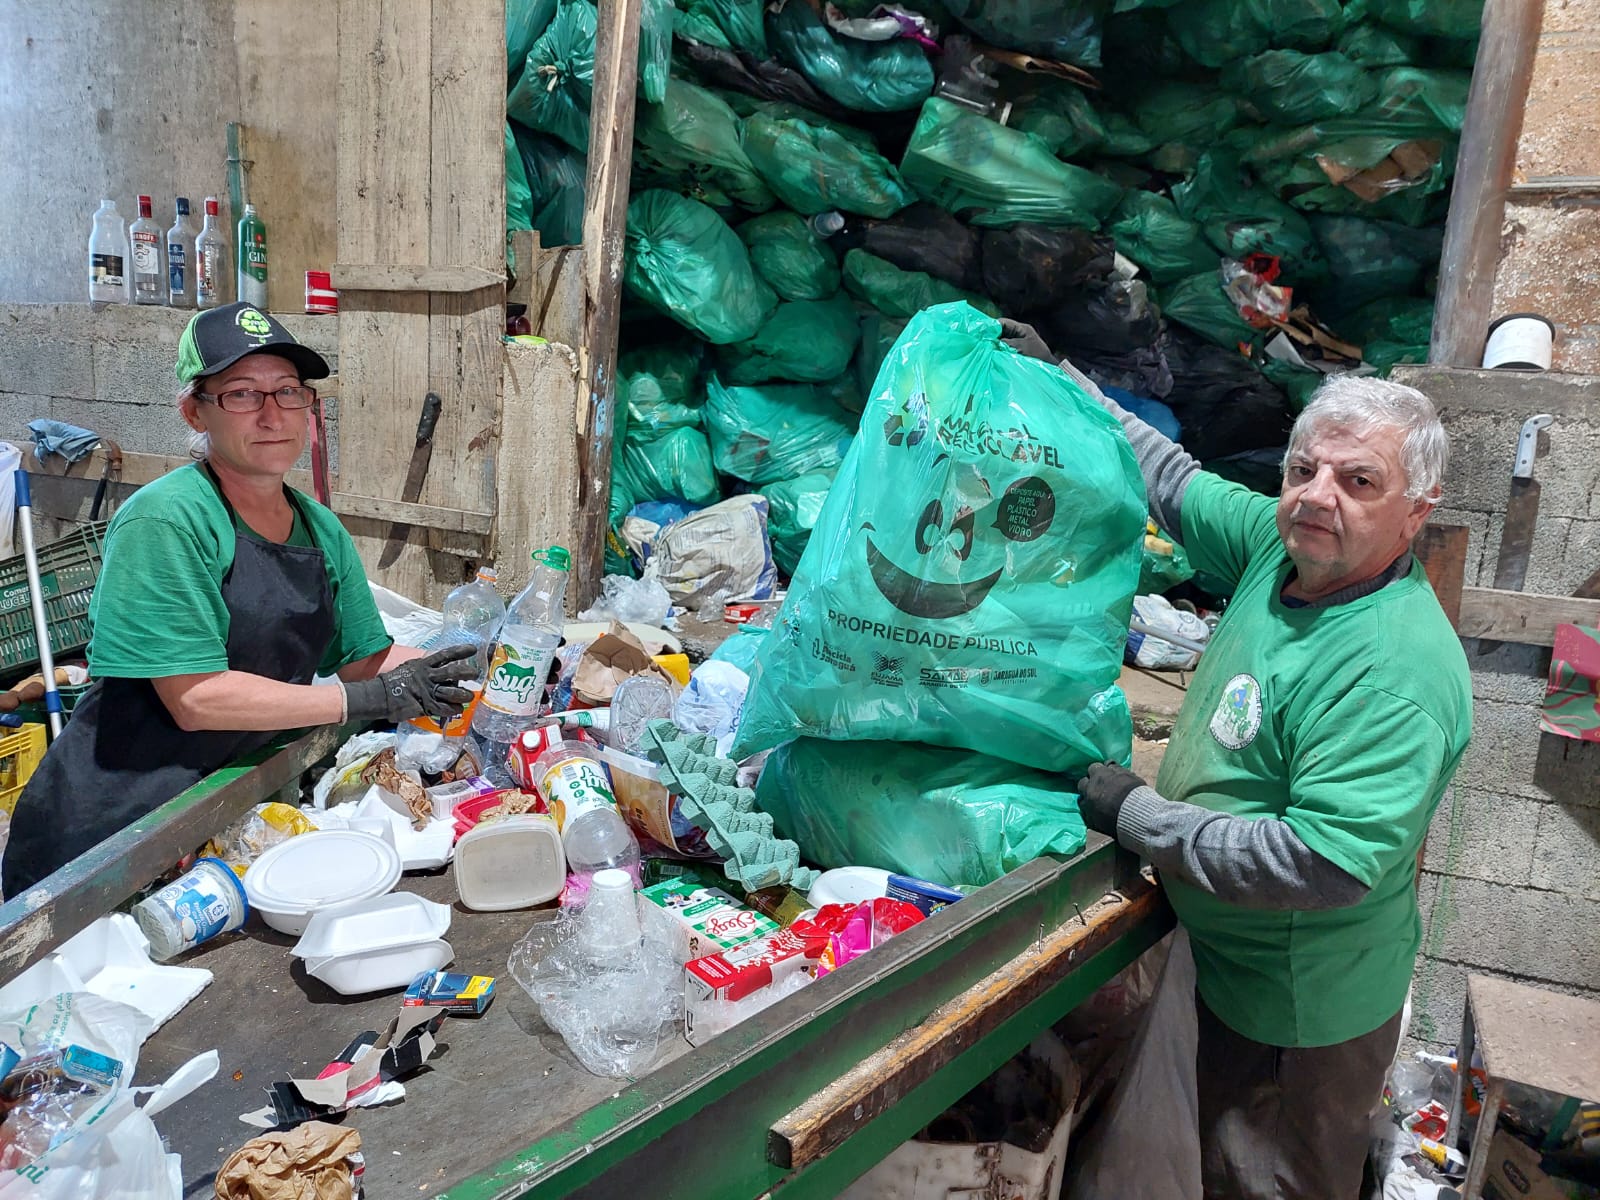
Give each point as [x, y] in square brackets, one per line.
[296, 879]
[376, 944]
[513, 863]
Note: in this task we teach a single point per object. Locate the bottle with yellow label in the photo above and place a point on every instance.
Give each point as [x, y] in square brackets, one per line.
[574, 784]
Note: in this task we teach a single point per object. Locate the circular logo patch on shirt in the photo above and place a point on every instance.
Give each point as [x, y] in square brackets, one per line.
[1238, 715]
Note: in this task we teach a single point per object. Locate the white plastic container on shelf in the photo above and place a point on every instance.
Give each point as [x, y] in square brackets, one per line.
[376, 945]
[298, 878]
[512, 863]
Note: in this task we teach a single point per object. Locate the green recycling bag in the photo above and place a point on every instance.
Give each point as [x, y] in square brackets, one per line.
[791, 258]
[947, 816]
[658, 388]
[1295, 88]
[1060, 116]
[1217, 32]
[879, 333]
[1066, 31]
[555, 173]
[972, 572]
[1242, 218]
[1198, 302]
[525, 21]
[1183, 119]
[658, 466]
[690, 142]
[775, 431]
[519, 199]
[899, 293]
[815, 166]
[553, 92]
[868, 76]
[655, 48]
[793, 507]
[1375, 46]
[806, 341]
[725, 24]
[684, 260]
[1431, 18]
[995, 176]
[1149, 231]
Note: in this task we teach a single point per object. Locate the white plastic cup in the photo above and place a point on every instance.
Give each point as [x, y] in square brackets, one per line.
[209, 900]
[609, 922]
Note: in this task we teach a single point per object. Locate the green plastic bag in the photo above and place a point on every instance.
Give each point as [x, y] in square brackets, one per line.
[525, 21]
[791, 258]
[659, 389]
[792, 510]
[1217, 32]
[1164, 565]
[519, 198]
[995, 176]
[1374, 45]
[1296, 88]
[552, 94]
[1391, 331]
[807, 341]
[675, 464]
[867, 76]
[691, 142]
[947, 816]
[1060, 116]
[1240, 218]
[814, 166]
[684, 260]
[1430, 18]
[775, 431]
[1066, 31]
[971, 575]
[725, 24]
[655, 48]
[1200, 304]
[1148, 230]
[878, 336]
[1173, 111]
[1298, 383]
[555, 173]
[899, 293]
[1371, 259]
[1124, 138]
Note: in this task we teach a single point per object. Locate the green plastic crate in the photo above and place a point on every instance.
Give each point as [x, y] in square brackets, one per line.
[68, 569]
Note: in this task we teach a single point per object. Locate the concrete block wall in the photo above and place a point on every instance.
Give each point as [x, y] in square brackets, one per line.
[112, 371]
[1511, 872]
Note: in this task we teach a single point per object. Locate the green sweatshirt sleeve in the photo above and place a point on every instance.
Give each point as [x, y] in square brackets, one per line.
[1225, 525]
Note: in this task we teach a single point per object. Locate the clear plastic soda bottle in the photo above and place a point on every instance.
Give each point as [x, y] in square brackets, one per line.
[513, 690]
[473, 613]
[572, 780]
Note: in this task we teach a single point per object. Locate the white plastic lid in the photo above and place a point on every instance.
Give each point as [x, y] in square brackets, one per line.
[848, 885]
[322, 868]
[612, 879]
[513, 863]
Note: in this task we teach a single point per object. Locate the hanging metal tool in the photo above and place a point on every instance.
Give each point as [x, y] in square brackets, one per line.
[1522, 514]
[41, 623]
[411, 491]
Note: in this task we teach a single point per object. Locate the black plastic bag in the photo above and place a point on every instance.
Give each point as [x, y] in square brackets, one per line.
[1103, 319]
[1032, 268]
[1064, 30]
[924, 238]
[1225, 405]
[768, 80]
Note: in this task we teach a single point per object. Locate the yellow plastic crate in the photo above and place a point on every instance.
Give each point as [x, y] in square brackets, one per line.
[20, 754]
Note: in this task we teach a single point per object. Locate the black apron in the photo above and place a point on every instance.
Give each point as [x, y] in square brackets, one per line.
[121, 755]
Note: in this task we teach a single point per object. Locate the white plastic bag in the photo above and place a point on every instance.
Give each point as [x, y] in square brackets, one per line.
[1151, 651]
[625, 599]
[718, 554]
[406, 621]
[712, 702]
[10, 461]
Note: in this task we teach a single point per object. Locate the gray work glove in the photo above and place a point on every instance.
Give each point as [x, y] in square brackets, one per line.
[1025, 339]
[416, 688]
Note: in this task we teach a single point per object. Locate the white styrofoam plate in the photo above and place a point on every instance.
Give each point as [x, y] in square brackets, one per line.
[381, 923]
[379, 970]
[317, 870]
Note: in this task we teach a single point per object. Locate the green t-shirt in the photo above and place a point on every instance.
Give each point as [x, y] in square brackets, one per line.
[1346, 722]
[157, 607]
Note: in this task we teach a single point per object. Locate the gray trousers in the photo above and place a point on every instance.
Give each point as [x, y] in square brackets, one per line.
[1201, 1111]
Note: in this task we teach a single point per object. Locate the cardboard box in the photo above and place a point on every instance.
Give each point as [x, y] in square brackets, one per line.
[1515, 1174]
[716, 983]
[711, 919]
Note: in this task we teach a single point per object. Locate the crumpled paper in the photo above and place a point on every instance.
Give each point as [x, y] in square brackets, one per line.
[612, 657]
[308, 1162]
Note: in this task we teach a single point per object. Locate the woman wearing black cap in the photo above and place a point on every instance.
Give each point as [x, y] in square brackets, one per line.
[222, 592]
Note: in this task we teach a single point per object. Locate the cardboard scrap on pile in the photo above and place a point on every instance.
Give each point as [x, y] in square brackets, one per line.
[612, 657]
[1406, 164]
[366, 1073]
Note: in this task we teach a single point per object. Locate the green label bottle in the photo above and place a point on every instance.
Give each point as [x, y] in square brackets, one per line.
[252, 258]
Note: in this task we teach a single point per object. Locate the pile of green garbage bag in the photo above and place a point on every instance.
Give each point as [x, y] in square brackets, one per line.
[553, 92]
[771, 432]
[815, 166]
[793, 506]
[867, 76]
[893, 292]
[808, 341]
[684, 260]
[790, 257]
[690, 142]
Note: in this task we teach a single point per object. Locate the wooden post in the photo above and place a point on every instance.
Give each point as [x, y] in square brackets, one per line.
[605, 216]
[1483, 173]
[420, 211]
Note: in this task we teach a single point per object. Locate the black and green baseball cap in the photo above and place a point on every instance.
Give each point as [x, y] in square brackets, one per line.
[220, 337]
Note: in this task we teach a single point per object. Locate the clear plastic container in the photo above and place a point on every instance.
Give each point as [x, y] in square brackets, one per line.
[513, 691]
[108, 256]
[573, 782]
[473, 614]
[639, 700]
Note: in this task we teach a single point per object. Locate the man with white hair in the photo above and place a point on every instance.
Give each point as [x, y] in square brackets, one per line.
[1321, 728]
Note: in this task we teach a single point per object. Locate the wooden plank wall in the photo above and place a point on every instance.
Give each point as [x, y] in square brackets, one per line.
[420, 185]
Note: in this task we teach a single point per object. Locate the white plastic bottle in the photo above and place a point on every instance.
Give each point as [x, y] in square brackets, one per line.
[513, 691]
[149, 272]
[473, 614]
[180, 258]
[108, 252]
[572, 780]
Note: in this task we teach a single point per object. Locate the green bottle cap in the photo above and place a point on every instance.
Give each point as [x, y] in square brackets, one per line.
[555, 557]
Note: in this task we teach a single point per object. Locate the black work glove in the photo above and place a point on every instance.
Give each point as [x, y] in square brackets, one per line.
[1025, 339]
[419, 687]
[1101, 794]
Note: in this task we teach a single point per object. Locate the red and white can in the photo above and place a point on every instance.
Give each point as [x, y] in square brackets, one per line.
[320, 296]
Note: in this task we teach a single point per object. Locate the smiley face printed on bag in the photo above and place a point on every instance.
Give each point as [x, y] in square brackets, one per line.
[952, 545]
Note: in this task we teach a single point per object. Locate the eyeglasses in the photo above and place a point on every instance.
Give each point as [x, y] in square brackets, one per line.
[249, 400]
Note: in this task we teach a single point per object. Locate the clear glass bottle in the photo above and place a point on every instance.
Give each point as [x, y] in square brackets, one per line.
[211, 261]
[108, 252]
[180, 258]
[513, 691]
[149, 271]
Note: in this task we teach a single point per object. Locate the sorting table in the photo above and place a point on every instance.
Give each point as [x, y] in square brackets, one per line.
[797, 1101]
